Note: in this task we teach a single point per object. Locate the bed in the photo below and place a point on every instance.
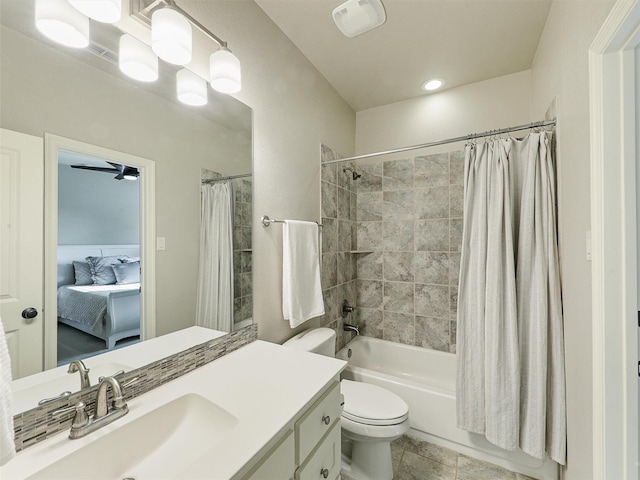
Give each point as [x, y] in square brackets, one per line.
[107, 311]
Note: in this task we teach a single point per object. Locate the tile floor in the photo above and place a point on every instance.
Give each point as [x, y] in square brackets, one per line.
[417, 460]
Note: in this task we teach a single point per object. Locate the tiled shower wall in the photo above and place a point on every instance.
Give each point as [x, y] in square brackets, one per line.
[338, 241]
[409, 219]
[242, 254]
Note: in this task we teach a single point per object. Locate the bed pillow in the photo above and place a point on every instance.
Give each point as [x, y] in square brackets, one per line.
[82, 273]
[126, 272]
[130, 260]
[101, 271]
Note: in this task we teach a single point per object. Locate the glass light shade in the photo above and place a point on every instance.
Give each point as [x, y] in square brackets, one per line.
[191, 88]
[224, 72]
[62, 23]
[105, 11]
[171, 36]
[137, 60]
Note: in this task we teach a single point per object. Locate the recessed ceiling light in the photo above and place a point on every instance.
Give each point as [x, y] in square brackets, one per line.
[433, 84]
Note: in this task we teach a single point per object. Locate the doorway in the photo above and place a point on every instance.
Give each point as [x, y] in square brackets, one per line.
[56, 146]
[613, 72]
[98, 276]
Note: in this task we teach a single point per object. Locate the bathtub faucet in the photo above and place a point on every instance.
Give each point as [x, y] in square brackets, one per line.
[347, 327]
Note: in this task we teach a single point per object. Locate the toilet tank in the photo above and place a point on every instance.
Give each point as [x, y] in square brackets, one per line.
[315, 340]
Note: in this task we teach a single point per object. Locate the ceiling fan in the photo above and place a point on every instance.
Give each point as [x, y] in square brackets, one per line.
[123, 172]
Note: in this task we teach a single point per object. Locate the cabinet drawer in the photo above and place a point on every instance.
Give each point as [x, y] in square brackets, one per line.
[278, 463]
[316, 422]
[325, 462]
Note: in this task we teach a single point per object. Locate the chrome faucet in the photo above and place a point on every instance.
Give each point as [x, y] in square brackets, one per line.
[79, 366]
[347, 327]
[105, 413]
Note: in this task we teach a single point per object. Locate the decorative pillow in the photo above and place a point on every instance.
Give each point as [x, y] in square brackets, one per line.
[126, 272]
[130, 259]
[101, 271]
[82, 273]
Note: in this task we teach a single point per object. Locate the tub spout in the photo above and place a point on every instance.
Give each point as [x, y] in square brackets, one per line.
[350, 328]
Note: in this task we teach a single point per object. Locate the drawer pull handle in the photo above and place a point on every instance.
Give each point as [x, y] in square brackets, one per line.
[324, 472]
[326, 420]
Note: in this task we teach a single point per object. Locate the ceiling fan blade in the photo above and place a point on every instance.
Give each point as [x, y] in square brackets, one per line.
[95, 169]
[117, 166]
[120, 176]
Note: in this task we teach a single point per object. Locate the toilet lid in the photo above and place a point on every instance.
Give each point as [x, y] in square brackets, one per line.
[371, 404]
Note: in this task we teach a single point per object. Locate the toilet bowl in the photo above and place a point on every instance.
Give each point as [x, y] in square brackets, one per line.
[371, 419]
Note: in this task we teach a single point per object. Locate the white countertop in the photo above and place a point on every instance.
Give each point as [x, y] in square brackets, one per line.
[263, 385]
[29, 390]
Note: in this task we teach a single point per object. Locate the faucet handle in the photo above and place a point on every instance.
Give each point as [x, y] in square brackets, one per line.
[117, 373]
[80, 419]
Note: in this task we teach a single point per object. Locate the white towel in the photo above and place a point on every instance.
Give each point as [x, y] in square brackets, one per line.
[7, 447]
[301, 289]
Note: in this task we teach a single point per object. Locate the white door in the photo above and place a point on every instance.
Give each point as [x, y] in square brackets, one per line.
[21, 249]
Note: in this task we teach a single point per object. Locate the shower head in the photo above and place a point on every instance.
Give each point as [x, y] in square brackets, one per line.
[354, 174]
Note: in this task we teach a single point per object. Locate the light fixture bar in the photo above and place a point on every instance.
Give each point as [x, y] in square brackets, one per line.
[196, 23]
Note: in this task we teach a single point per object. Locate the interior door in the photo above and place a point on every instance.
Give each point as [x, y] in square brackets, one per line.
[21, 249]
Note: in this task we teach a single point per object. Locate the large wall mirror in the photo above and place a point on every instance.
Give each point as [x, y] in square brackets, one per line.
[94, 116]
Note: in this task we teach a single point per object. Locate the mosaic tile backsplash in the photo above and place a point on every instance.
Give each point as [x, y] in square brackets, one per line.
[38, 424]
[406, 246]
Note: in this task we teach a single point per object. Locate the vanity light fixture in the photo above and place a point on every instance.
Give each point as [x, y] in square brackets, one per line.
[224, 66]
[191, 88]
[60, 22]
[432, 84]
[355, 17]
[171, 36]
[105, 11]
[137, 60]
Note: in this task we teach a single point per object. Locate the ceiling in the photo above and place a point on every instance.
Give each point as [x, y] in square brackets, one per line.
[459, 41]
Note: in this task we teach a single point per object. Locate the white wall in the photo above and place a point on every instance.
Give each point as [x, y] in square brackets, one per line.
[295, 109]
[492, 104]
[95, 209]
[561, 68]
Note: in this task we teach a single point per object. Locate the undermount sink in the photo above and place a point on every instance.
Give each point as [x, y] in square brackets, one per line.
[160, 444]
[28, 397]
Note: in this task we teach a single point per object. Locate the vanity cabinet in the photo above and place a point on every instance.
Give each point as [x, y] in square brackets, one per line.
[310, 449]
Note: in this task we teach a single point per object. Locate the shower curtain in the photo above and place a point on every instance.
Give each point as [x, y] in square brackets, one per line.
[214, 307]
[511, 379]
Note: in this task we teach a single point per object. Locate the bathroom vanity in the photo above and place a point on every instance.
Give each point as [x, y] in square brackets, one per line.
[261, 412]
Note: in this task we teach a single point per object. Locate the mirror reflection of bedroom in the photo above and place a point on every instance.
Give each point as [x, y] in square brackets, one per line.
[98, 256]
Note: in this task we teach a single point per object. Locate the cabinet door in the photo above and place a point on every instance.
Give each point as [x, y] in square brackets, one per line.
[317, 422]
[325, 461]
[278, 463]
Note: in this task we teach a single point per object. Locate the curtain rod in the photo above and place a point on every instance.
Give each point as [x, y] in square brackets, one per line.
[444, 142]
[230, 177]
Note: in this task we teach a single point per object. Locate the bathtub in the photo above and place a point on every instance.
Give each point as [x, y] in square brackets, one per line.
[426, 380]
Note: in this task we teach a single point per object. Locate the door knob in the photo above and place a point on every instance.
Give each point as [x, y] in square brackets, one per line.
[29, 313]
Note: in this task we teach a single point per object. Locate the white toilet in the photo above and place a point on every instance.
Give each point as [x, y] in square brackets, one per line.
[372, 417]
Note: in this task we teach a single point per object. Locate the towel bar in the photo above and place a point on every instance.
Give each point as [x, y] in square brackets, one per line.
[266, 221]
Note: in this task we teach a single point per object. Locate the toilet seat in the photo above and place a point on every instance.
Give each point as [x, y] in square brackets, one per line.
[369, 404]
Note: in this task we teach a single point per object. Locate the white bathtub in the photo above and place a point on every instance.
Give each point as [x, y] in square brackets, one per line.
[426, 380]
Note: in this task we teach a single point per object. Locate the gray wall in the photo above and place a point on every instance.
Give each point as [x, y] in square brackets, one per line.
[93, 208]
[410, 218]
[339, 240]
[242, 252]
